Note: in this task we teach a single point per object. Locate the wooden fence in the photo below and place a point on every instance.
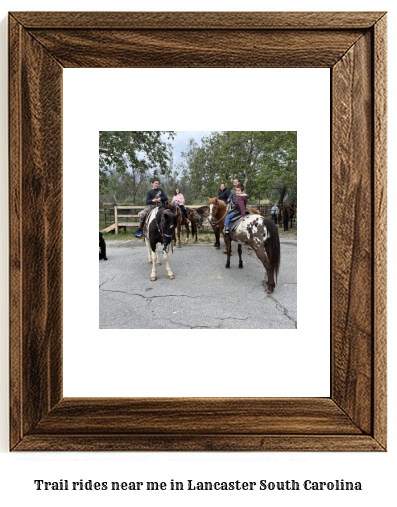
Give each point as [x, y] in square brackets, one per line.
[128, 216]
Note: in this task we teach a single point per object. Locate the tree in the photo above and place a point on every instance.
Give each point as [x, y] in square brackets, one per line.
[132, 152]
[262, 160]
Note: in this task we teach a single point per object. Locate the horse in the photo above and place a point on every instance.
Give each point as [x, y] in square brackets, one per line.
[203, 212]
[217, 215]
[195, 221]
[218, 210]
[159, 228]
[193, 218]
[261, 234]
[288, 214]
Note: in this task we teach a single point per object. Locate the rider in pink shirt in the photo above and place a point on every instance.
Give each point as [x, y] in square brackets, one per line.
[180, 200]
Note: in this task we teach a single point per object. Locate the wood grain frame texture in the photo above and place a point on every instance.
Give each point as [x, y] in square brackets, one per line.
[353, 46]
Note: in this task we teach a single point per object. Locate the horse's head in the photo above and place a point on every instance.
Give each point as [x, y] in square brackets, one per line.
[167, 226]
[195, 217]
[213, 208]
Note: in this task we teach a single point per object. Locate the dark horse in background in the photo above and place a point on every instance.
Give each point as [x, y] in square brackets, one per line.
[261, 234]
[159, 228]
[193, 218]
[288, 213]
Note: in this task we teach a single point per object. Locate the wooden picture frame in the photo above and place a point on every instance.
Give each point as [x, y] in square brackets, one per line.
[353, 46]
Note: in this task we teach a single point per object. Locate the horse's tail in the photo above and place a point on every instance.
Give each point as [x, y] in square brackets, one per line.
[272, 246]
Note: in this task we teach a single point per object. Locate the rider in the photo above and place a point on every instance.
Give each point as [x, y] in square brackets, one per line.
[239, 206]
[154, 197]
[180, 201]
[232, 196]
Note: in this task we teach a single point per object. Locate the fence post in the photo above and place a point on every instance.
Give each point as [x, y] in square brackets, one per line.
[116, 221]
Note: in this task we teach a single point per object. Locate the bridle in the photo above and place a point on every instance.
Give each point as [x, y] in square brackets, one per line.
[215, 222]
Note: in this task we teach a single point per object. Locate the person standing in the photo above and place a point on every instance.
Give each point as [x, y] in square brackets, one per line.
[274, 212]
[224, 193]
[156, 196]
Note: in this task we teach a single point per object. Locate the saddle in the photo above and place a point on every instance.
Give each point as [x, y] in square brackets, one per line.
[238, 216]
[236, 219]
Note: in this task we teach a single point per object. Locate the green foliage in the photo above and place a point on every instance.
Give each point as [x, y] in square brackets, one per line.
[264, 161]
[128, 156]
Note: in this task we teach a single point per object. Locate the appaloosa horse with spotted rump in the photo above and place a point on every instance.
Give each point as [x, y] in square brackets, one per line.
[261, 234]
[159, 228]
[217, 212]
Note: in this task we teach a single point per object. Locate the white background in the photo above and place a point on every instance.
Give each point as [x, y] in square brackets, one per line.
[195, 99]
[375, 471]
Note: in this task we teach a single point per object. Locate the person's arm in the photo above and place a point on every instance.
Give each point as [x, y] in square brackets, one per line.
[163, 197]
[149, 198]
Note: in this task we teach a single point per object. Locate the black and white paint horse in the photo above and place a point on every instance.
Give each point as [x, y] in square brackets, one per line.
[159, 228]
[261, 234]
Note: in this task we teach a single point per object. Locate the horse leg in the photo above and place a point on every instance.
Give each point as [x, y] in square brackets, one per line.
[170, 274]
[263, 257]
[240, 260]
[228, 244]
[217, 243]
[158, 261]
[225, 251]
[187, 232]
[153, 254]
[149, 251]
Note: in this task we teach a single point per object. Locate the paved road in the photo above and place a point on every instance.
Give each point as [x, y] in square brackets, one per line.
[204, 294]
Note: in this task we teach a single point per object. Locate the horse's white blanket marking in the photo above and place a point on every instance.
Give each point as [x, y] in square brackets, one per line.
[254, 221]
[151, 217]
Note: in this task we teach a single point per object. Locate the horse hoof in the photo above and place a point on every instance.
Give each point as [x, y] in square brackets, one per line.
[153, 278]
[171, 277]
[226, 266]
[241, 267]
[178, 246]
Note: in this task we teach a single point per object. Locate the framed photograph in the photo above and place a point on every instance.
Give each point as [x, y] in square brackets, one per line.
[353, 46]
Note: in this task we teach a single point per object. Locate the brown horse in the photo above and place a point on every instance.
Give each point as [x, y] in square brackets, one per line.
[261, 234]
[203, 212]
[217, 212]
[288, 213]
[193, 219]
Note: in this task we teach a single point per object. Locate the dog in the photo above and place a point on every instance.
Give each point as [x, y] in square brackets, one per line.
[102, 248]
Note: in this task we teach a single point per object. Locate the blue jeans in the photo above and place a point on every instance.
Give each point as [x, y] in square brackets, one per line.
[229, 217]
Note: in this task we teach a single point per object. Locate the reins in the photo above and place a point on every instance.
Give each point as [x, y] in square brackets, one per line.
[214, 222]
